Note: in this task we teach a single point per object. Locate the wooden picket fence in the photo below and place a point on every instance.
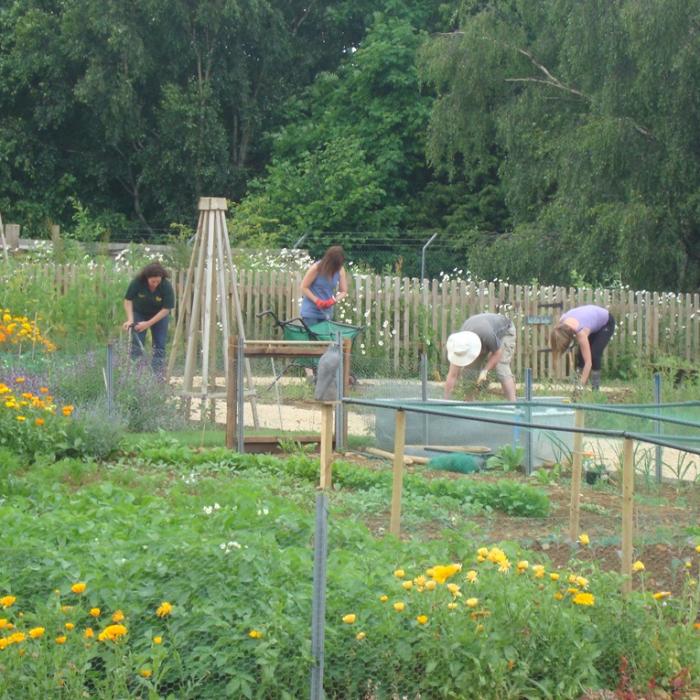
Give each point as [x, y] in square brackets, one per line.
[402, 316]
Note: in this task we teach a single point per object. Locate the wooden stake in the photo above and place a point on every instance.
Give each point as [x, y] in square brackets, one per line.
[397, 484]
[575, 511]
[326, 445]
[231, 394]
[627, 513]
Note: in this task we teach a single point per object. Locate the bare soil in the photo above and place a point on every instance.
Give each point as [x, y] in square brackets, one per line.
[666, 521]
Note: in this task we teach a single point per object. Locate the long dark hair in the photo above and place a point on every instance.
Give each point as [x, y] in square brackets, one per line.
[332, 261]
[154, 269]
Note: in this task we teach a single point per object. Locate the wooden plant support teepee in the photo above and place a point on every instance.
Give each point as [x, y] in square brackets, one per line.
[210, 310]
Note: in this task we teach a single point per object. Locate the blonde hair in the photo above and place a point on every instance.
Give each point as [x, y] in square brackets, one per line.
[561, 338]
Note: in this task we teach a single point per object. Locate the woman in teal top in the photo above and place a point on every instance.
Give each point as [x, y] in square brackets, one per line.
[148, 301]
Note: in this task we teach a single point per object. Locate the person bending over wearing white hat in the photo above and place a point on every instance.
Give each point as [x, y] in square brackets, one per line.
[490, 338]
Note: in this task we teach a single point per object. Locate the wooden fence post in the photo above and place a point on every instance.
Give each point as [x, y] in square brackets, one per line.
[627, 513]
[575, 511]
[397, 483]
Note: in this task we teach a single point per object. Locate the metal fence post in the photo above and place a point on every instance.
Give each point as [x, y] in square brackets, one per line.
[110, 378]
[424, 393]
[657, 399]
[318, 611]
[528, 419]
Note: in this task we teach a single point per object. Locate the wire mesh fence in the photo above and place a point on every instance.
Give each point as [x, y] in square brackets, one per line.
[231, 549]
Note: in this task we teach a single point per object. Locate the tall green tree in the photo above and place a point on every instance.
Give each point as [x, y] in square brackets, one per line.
[591, 109]
[350, 163]
[142, 106]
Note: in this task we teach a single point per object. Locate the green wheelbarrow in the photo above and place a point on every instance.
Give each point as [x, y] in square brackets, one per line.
[297, 330]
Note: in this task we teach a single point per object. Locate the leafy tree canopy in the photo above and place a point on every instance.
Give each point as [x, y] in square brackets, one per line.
[591, 109]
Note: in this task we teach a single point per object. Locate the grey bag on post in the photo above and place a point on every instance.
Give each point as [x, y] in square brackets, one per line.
[327, 375]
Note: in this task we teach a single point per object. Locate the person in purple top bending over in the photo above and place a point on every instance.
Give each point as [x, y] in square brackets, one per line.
[591, 327]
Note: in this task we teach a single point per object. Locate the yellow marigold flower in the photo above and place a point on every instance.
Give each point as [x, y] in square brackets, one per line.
[522, 565]
[383, 598]
[79, 587]
[21, 419]
[661, 595]
[95, 612]
[349, 619]
[583, 539]
[496, 555]
[581, 582]
[454, 589]
[554, 576]
[504, 567]
[482, 551]
[118, 616]
[4, 622]
[39, 421]
[69, 626]
[422, 619]
[145, 672]
[558, 595]
[572, 578]
[7, 601]
[89, 633]
[360, 636]
[20, 380]
[584, 599]
[399, 606]
[419, 580]
[67, 410]
[157, 640]
[638, 566]
[697, 548]
[61, 639]
[572, 590]
[442, 573]
[430, 585]
[16, 638]
[399, 573]
[471, 602]
[452, 606]
[407, 585]
[164, 609]
[471, 576]
[36, 632]
[112, 633]
[480, 559]
[255, 634]
[43, 390]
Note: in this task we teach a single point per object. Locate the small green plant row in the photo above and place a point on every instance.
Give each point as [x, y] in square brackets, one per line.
[507, 496]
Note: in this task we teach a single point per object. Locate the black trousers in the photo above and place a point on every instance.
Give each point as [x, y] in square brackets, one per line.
[598, 342]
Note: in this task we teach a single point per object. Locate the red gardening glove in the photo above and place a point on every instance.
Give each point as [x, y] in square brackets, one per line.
[325, 303]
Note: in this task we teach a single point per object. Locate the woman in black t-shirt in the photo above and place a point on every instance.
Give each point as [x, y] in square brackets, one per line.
[148, 301]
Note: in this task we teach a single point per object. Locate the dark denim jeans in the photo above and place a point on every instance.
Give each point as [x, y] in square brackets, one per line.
[159, 336]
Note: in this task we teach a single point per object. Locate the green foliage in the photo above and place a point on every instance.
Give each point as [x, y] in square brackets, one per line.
[507, 458]
[227, 543]
[587, 106]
